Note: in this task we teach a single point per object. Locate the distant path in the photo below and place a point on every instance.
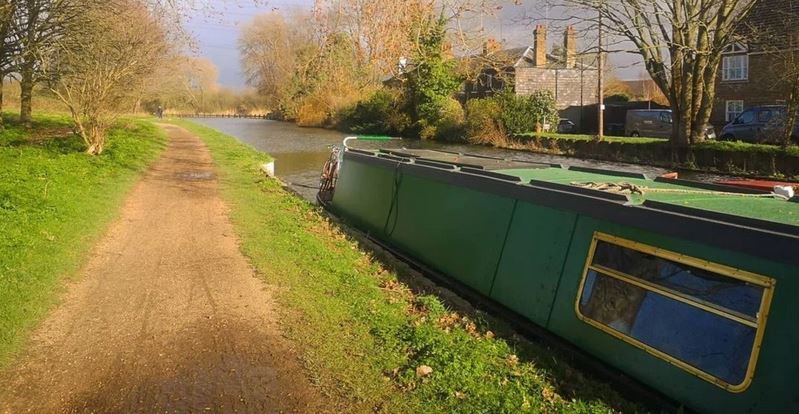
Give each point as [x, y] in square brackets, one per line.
[167, 315]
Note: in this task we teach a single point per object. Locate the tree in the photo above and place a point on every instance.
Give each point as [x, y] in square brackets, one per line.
[432, 79]
[183, 82]
[681, 43]
[39, 25]
[9, 45]
[276, 54]
[322, 62]
[91, 68]
[773, 34]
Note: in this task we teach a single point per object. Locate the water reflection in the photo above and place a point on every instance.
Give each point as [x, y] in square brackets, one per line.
[300, 152]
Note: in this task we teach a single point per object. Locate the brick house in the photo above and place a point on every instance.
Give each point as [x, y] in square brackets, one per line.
[572, 79]
[749, 74]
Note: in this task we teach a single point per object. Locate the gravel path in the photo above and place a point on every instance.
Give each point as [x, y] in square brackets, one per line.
[166, 316]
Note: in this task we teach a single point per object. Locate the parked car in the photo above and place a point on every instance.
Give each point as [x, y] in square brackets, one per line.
[762, 124]
[566, 126]
[655, 123]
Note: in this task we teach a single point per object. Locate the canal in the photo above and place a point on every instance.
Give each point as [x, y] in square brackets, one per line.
[300, 152]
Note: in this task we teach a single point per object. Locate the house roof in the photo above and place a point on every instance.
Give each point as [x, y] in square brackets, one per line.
[524, 57]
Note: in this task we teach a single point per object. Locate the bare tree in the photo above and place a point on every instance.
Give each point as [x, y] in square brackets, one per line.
[9, 45]
[91, 69]
[773, 38]
[681, 42]
[39, 23]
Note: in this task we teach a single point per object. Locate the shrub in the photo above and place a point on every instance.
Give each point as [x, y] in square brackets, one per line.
[617, 97]
[524, 114]
[449, 124]
[382, 113]
[311, 114]
[483, 122]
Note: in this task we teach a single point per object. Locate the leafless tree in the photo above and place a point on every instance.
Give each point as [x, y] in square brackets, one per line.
[91, 68]
[681, 43]
[9, 45]
[39, 23]
[772, 35]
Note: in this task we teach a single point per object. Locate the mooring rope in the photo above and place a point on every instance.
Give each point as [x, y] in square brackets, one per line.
[629, 188]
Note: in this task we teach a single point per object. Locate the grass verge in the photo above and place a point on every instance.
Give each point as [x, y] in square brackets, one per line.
[54, 203]
[588, 137]
[717, 145]
[371, 343]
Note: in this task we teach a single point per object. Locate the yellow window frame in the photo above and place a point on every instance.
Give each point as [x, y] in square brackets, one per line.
[759, 323]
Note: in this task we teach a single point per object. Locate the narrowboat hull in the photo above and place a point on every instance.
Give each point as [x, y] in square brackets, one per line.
[528, 245]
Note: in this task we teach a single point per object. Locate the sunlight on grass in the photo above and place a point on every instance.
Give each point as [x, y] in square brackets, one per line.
[366, 338]
[54, 203]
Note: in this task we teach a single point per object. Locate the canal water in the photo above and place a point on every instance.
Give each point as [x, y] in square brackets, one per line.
[300, 152]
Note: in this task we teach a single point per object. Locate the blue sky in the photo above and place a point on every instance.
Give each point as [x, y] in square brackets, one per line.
[217, 29]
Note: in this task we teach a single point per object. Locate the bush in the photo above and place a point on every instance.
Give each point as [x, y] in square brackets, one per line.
[449, 125]
[445, 122]
[382, 113]
[483, 122]
[524, 114]
[617, 97]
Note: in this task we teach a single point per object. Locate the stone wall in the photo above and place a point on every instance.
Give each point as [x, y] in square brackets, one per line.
[571, 87]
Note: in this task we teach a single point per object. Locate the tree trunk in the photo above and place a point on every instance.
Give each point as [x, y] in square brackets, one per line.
[792, 103]
[2, 85]
[26, 93]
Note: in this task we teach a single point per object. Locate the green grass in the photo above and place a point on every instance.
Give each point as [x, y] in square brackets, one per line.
[588, 137]
[731, 146]
[739, 146]
[362, 333]
[54, 203]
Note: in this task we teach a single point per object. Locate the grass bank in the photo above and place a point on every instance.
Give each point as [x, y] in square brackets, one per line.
[54, 203]
[738, 158]
[371, 343]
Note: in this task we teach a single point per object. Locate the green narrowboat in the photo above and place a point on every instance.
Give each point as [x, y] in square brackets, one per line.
[684, 286]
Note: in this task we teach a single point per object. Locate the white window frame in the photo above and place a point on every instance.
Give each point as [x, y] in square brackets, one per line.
[735, 63]
[731, 114]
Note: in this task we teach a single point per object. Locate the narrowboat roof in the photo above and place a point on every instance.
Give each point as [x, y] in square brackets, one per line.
[639, 189]
[731, 200]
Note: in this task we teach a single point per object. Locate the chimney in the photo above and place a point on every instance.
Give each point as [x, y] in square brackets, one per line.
[540, 46]
[491, 46]
[570, 47]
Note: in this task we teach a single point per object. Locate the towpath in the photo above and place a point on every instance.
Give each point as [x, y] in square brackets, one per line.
[167, 315]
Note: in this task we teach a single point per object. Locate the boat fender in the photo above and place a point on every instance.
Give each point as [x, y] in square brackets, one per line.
[269, 168]
[784, 190]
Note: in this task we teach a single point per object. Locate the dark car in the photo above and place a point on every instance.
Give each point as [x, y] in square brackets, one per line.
[566, 126]
[654, 123]
[762, 124]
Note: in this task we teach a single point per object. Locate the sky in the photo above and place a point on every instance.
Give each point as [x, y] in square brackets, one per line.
[216, 30]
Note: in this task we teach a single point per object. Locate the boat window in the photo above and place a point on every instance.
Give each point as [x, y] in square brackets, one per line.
[701, 316]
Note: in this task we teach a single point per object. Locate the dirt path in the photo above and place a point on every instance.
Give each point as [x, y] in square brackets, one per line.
[167, 315]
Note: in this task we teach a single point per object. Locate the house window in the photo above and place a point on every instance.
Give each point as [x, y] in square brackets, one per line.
[735, 63]
[733, 109]
[735, 67]
[705, 318]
